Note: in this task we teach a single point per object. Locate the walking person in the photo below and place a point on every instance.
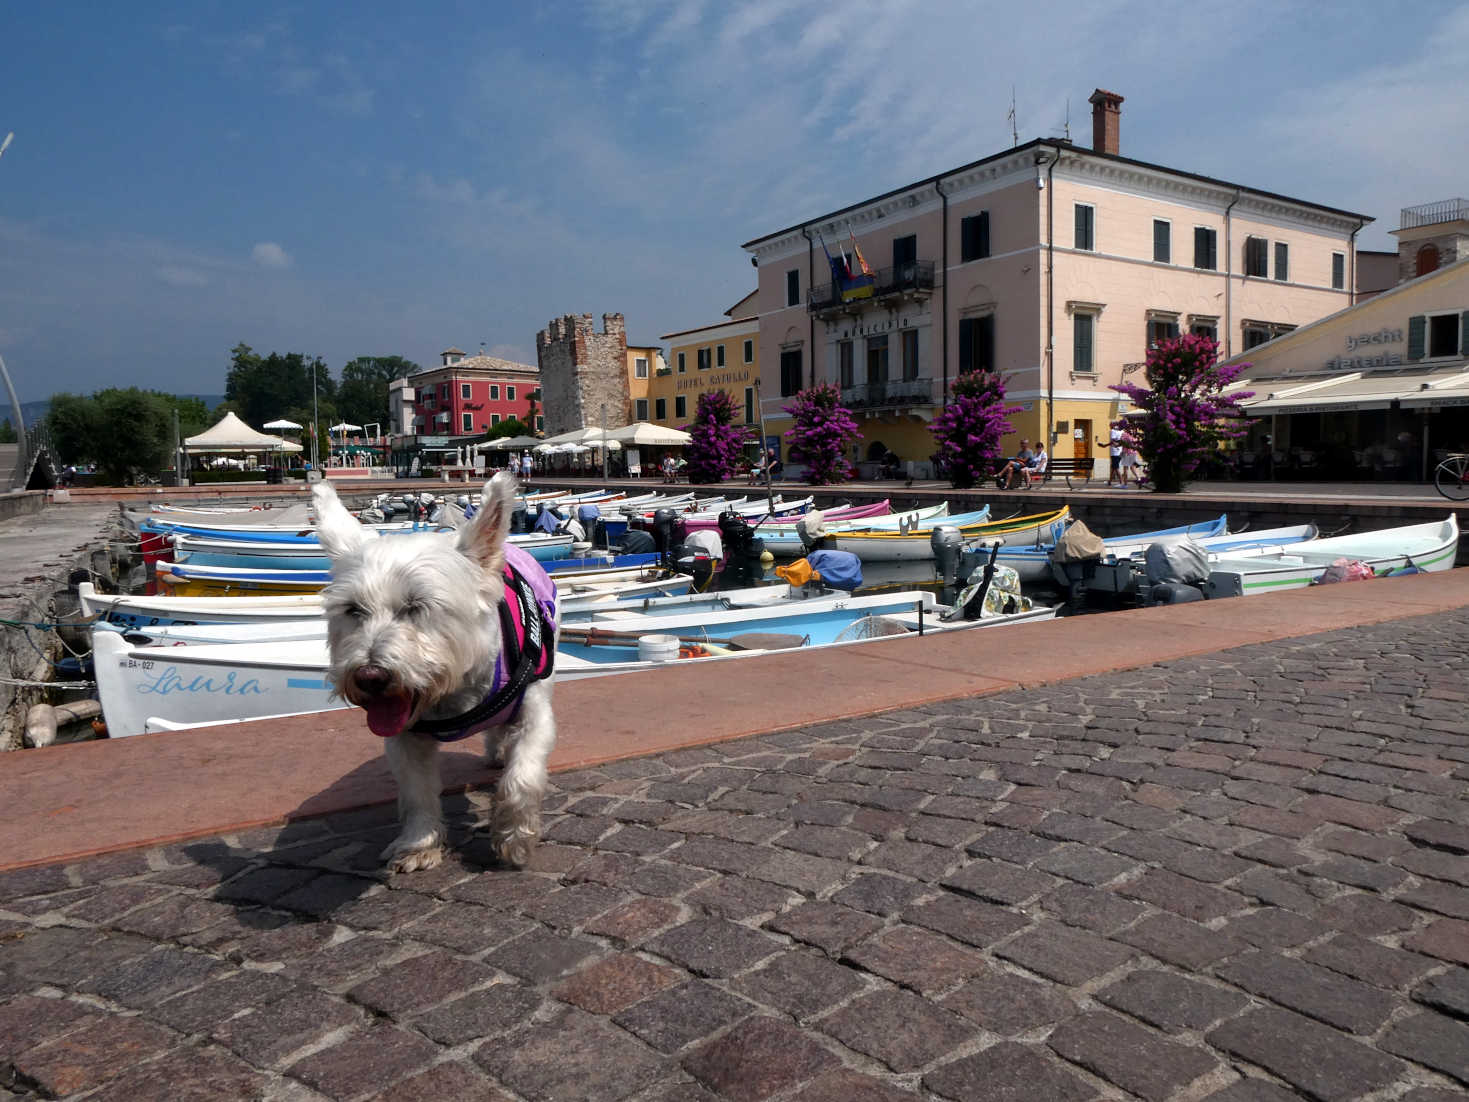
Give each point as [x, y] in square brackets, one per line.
[1130, 461]
[525, 466]
[1113, 444]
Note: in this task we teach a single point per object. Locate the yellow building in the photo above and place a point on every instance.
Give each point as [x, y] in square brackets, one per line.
[644, 361]
[723, 356]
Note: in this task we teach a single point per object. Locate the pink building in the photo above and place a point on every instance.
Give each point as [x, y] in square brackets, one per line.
[469, 395]
[1052, 264]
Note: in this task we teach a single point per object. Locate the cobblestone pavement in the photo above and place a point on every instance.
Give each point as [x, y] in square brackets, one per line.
[1239, 878]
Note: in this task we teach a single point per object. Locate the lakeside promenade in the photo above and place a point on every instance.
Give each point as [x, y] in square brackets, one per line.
[1206, 851]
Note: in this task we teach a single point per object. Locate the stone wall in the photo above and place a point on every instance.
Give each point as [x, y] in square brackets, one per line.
[583, 372]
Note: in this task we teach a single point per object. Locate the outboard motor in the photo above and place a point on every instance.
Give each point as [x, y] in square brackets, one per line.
[738, 536]
[425, 503]
[811, 528]
[519, 518]
[590, 518]
[663, 520]
[946, 541]
[700, 556]
[638, 542]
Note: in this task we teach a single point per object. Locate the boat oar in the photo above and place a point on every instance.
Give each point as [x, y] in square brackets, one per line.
[751, 640]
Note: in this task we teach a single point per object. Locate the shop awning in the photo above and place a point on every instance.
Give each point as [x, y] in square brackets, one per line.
[1358, 390]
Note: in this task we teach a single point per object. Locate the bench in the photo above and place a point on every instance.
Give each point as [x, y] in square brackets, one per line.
[1064, 468]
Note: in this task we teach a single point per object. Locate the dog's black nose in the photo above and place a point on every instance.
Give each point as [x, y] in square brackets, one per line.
[372, 680]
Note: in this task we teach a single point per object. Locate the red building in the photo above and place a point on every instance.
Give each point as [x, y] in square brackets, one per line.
[469, 395]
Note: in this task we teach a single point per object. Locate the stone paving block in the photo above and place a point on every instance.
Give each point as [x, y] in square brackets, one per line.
[799, 983]
[1008, 1072]
[828, 926]
[997, 882]
[847, 1086]
[635, 921]
[902, 1030]
[451, 1080]
[758, 1058]
[1314, 1058]
[1436, 834]
[541, 955]
[1007, 1004]
[719, 854]
[101, 1049]
[365, 1060]
[1085, 864]
[264, 885]
[273, 1032]
[1253, 1090]
[1092, 908]
[1182, 895]
[1353, 813]
[1274, 927]
[966, 920]
[1063, 953]
[573, 906]
[1448, 992]
[202, 1009]
[1366, 960]
[878, 893]
[189, 1074]
[489, 1012]
[420, 982]
[1171, 1002]
[1129, 1055]
[713, 946]
[916, 958]
[340, 965]
[27, 1021]
[466, 928]
[64, 955]
[1434, 1041]
[679, 1016]
[1179, 941]
[150, 979]
[947, 833]
[615, 982]
[1366, 914]
[1016, 846]
[801, 872]
[738, 899]
[1445, 938]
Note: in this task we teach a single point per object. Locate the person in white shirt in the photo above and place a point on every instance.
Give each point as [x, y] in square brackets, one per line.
[1114, 450]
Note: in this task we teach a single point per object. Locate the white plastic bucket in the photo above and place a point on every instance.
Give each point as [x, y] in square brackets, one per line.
[657, 648]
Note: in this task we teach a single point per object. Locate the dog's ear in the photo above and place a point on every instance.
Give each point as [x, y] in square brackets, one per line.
[338, 530]
[483, 538]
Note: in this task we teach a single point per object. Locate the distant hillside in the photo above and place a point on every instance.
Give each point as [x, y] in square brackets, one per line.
[35, 411]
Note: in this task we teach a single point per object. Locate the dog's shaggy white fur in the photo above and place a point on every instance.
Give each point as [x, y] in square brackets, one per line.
[414, 632]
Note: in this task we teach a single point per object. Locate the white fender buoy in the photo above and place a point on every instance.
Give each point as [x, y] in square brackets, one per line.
[40, 725]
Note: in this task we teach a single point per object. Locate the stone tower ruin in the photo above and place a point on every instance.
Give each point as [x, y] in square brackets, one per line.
[583, 372]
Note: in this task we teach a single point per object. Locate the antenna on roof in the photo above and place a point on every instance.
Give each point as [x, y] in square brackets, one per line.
[1068, 118]
[1014, 133]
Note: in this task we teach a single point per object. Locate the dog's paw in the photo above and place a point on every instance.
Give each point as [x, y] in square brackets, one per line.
[414, 854]
[514, 841]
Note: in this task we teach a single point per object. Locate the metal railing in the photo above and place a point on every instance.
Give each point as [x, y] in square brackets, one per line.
[1429, 214]
[894, 392]
[914, 277]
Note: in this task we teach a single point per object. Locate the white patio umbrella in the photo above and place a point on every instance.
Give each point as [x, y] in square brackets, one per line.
[644, 433]
[282, 423]
[345, 427]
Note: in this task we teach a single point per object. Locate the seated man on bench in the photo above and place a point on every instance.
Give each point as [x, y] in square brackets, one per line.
[1036, 472]
[1010, 476]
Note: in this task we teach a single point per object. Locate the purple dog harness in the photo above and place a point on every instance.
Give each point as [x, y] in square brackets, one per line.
[527, 651]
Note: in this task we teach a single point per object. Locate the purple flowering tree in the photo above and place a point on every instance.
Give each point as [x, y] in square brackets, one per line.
[717, 441]
[1185, 414]
[822, 430]
[967, 431]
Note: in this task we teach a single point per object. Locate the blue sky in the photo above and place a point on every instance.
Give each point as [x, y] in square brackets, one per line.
[383, 178]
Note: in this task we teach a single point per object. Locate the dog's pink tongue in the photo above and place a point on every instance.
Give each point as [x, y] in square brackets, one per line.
[387, 715]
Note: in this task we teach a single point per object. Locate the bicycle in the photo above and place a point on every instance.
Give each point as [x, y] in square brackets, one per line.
[1451, 477]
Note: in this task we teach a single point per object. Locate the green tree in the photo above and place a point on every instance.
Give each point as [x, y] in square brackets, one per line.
[362, 394]
[7, 432]
[72, 422]
[122, 431]
[514, 426]
[263, 388]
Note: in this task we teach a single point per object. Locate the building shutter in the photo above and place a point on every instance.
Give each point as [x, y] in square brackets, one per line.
[1083, 227]
[986, 342]
[975, 236]
[1464, 333]
[1081, 357]
[1417, 332]
[966, 345]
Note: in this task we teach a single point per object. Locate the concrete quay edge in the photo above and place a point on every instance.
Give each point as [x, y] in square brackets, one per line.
[69, 802]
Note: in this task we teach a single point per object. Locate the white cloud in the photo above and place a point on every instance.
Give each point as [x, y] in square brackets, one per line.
[270, 255]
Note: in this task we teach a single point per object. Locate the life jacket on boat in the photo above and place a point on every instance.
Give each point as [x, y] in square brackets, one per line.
[527, 650]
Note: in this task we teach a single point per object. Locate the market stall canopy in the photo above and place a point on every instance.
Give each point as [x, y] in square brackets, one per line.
[576, 436]
[513, 442]
[282, 423]
[233, 435]
[1357, 390]
[646, 434]
[345, 427]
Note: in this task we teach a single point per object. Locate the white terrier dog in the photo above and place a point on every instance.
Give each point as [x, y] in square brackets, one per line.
[439, 636]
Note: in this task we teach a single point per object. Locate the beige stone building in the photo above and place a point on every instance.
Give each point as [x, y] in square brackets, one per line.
[1052, 264]
[722, 356]
[583, 372]
[1379, 390]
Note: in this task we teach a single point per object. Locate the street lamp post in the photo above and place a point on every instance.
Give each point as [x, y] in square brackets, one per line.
[315, 424]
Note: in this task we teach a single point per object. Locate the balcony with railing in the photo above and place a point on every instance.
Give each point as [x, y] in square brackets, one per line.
[890, 394]
[911, 280]
[1431, 214]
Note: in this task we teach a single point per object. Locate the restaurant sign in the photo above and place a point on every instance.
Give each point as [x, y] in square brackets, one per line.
[1360, 343]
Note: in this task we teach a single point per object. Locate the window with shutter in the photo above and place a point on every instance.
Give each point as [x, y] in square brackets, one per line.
[681, 406]
[844, 364]
[1464, 333]
[909, 341]
[1086, 225]
[877, 360]
[1417, 331]
[1082, 360]
[1205, 248]
[1257, 257]
[660, 409]
[1443, 335]
[974, 237]
[790, 372]
[1282, 261]
[905, 250]
[1162, 241]
[1338, 271]
[977, 344]
[793, 287]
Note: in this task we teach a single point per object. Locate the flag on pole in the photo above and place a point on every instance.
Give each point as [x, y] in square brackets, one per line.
[859, 282]
[857, 252]
[838, 268]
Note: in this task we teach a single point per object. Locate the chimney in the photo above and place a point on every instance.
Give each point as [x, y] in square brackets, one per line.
[1106, 121]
